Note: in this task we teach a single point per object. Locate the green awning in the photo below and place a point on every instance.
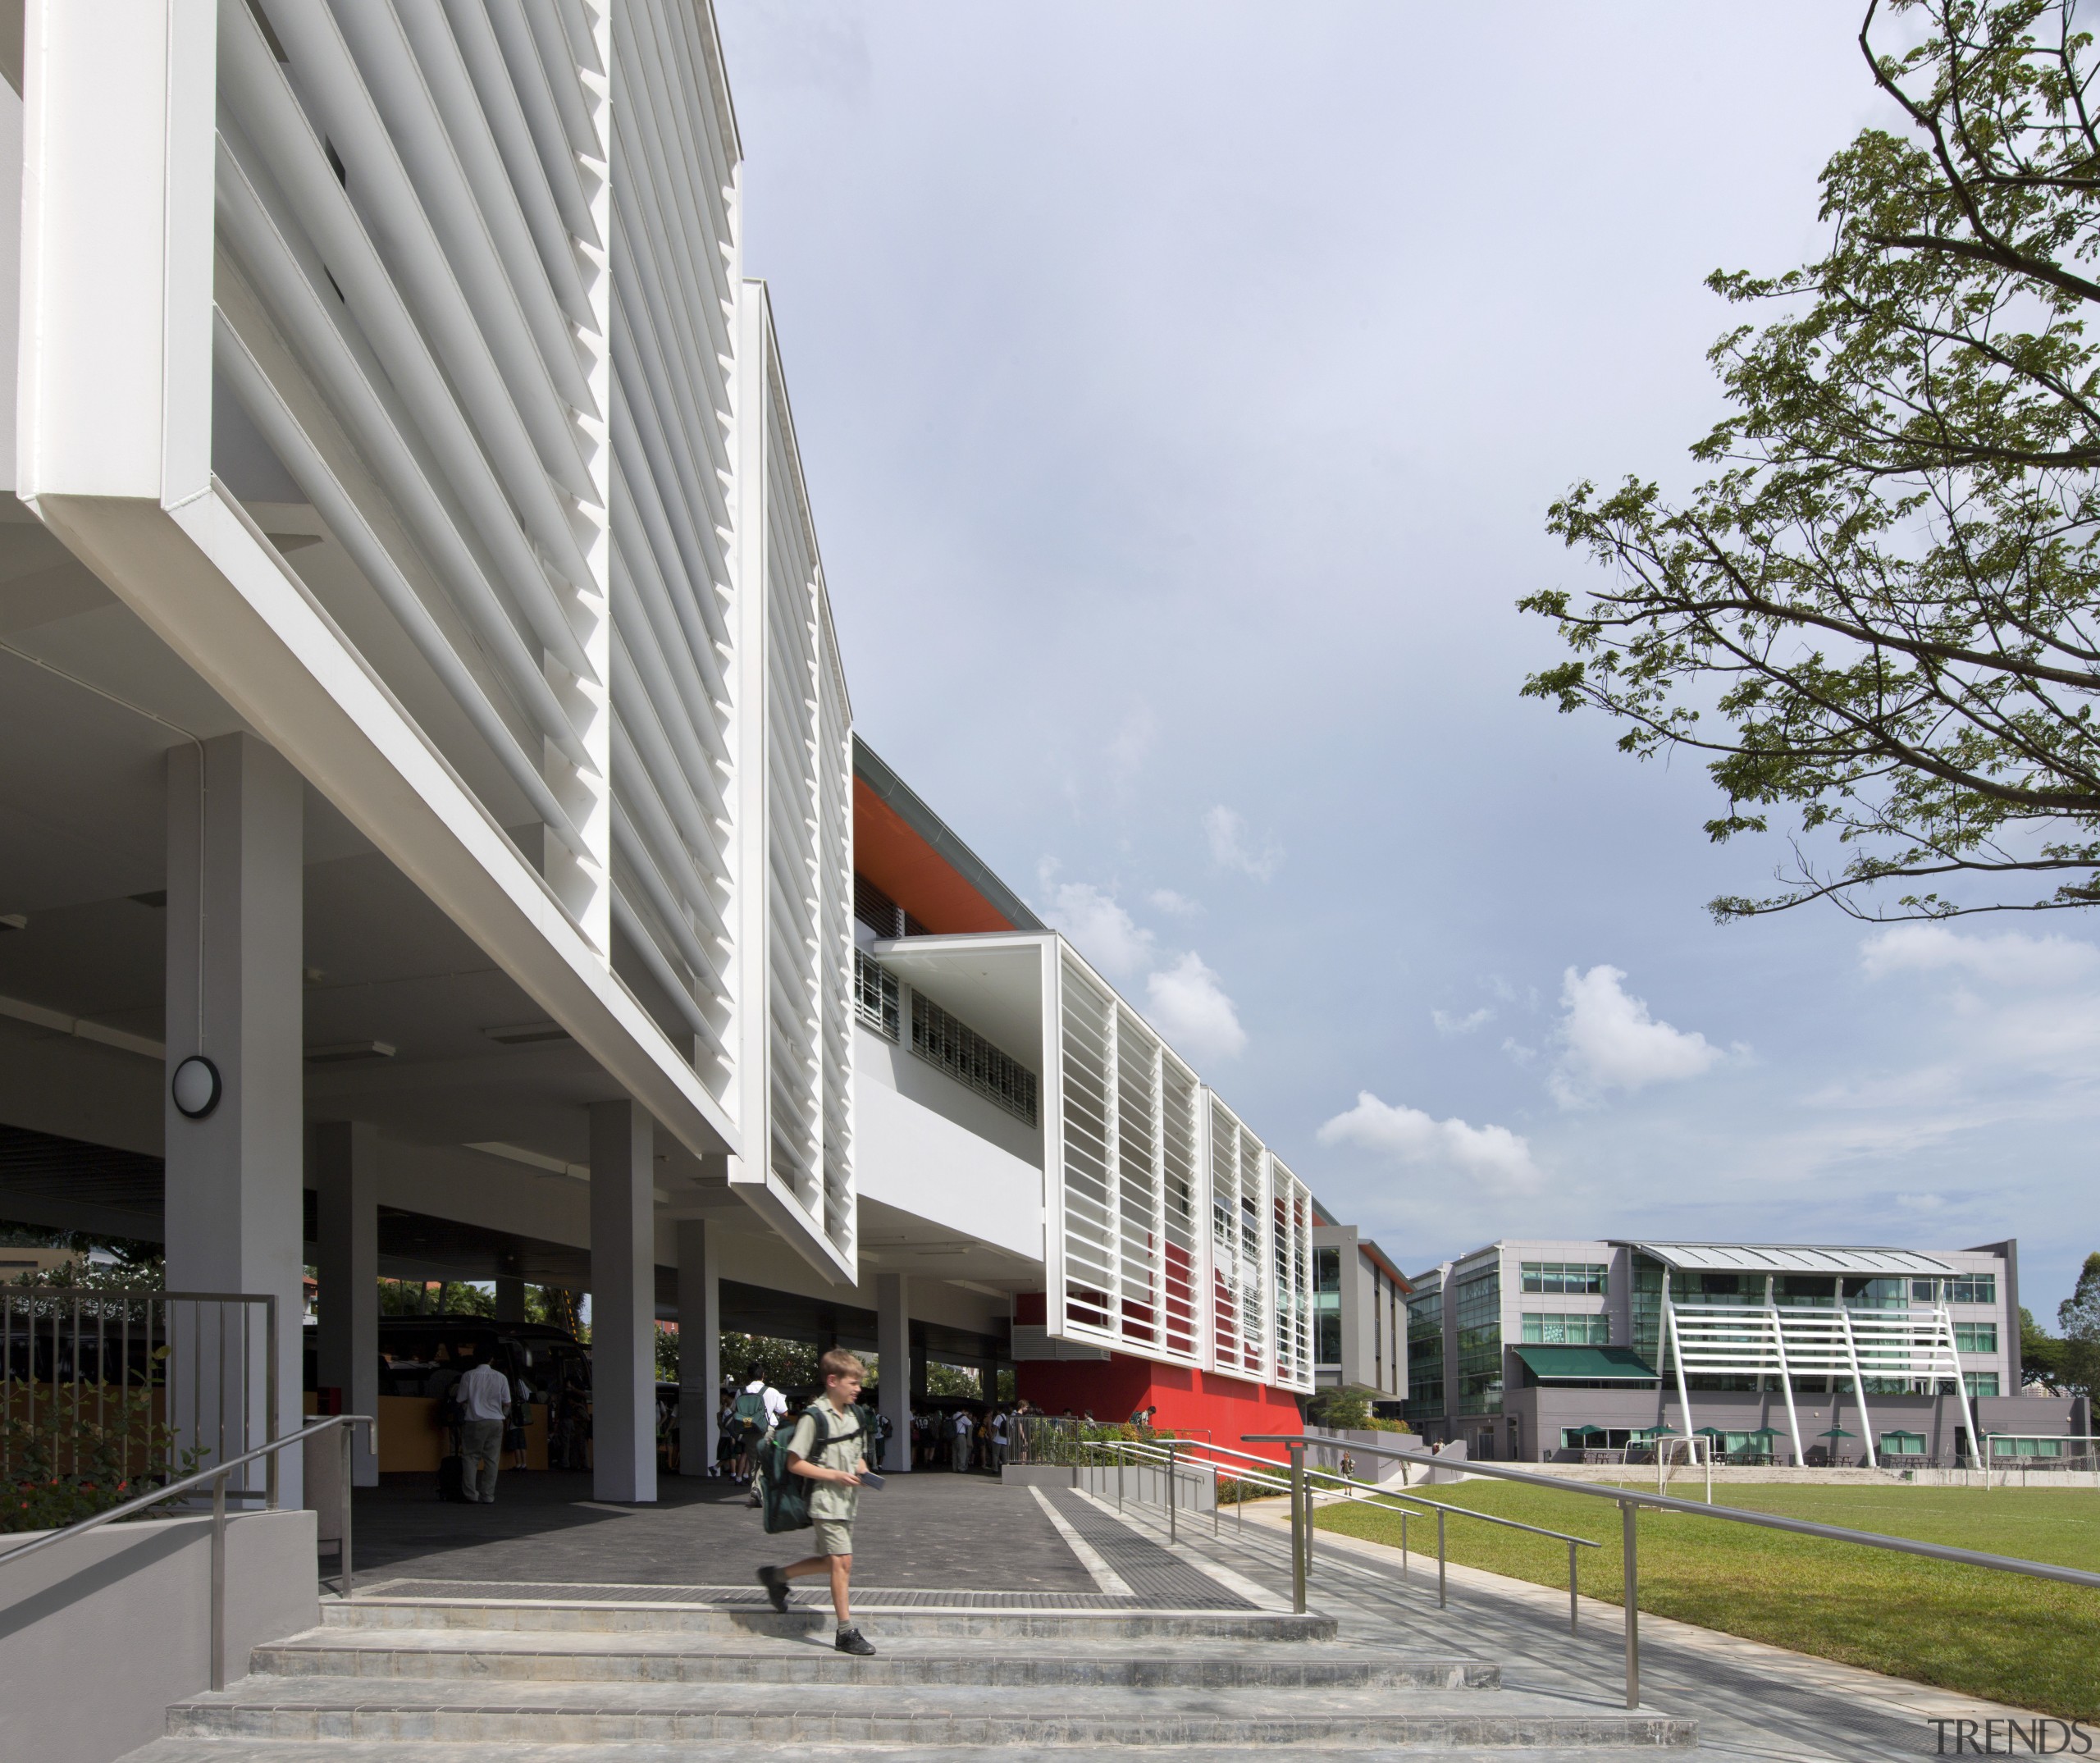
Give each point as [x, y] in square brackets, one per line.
[1600, 1364]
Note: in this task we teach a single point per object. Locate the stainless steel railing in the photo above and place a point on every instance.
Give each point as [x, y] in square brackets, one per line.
[89, 1365]
[1629, 1501]
[218, 1476]
[1265, 1476]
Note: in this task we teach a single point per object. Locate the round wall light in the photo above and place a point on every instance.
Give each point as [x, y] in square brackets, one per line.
[196, 1087]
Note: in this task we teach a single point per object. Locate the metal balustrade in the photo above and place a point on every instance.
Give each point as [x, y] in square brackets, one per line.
[164, 1374]
[1629, 1501]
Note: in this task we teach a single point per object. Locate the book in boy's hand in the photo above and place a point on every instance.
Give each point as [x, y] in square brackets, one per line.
[869, 1479]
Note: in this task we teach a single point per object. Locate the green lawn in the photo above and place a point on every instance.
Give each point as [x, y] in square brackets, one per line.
[2026, 1642]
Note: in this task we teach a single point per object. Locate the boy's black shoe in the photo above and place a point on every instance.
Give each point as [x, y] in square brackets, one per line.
[852, 1641]
[776, 1587]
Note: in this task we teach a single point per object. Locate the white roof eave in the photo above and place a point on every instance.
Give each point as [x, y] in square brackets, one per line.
[1793, 1257]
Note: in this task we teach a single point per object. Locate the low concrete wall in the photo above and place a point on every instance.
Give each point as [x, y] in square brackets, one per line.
[97, 1637]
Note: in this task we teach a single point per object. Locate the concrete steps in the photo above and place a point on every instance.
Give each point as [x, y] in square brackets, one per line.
[488, 1657]
[398, 1680]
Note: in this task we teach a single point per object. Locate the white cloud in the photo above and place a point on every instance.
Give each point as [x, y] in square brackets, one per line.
[1451, 1146]
[1189, 1007]
[1517, 1051]
[1609, 1041]
[1166, 900]
[2009, 958]
[1449, 1026]
[1100, 928]
[1231, 850]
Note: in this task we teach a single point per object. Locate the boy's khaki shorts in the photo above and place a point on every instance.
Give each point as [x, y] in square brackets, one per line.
[833, 1536]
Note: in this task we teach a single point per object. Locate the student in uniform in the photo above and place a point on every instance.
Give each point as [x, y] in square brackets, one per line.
[826, 1447]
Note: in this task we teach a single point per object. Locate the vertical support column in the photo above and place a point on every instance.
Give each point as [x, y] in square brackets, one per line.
[893, 1349]
[234, 1174]
[346, 1174]
[700, 1346]
[510, 1297]
[622, 1302]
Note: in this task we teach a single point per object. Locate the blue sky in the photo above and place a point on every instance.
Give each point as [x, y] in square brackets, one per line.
[1181, 390]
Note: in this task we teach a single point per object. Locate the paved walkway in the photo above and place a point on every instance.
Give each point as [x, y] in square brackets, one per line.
[957, 1532]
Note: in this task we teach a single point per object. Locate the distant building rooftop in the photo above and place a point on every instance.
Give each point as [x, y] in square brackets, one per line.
[1791, 1258]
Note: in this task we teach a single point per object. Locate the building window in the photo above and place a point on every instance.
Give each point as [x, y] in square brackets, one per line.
[1478, 1302]
[1564, 1277]
[1327, 1307]
[1980, 1383]
[1975, 1337]
[1561, 1328]
[1975, 1288]
[2027, 1447]
[874, 996]
[950, 1046]
[1924, 1291]
[1425, 1396]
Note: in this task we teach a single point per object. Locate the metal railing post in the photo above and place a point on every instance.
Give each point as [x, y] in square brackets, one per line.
[1627, 1513]
[1172, 1534]
[270, 1382]
[1439, 1558]
[219, 1581]
[343, 1518]
[1298, 1526]
[1405, 1516]
[1571, 1586]
[1119, 1478]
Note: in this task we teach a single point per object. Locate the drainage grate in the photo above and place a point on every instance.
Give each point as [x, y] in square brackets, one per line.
[752, 1597]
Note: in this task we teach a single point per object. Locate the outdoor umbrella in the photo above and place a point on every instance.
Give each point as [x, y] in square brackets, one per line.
[1587, 1432]
[1835, 1432]
[1763, 1432]
[1709, 1432]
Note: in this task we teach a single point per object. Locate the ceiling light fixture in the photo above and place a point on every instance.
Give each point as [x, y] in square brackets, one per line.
[349, 1053]
[526, 1034]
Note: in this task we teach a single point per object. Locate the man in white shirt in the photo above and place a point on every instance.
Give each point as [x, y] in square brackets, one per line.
[964, 1425]
[484, 1395]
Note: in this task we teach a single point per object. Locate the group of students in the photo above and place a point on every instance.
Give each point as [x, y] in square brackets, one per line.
[962, 1440]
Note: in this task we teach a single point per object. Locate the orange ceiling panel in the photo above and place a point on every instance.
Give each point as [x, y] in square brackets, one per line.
[907, 869]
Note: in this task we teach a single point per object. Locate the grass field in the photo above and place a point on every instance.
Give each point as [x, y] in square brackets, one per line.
[2026, 1642]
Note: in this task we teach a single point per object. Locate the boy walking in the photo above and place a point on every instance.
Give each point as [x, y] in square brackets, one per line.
[826, 1447]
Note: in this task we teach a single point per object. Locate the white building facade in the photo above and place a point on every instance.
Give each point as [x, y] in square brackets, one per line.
[434, 833]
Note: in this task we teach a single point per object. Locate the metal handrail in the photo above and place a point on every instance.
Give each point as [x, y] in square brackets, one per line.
[1369, 1492]
[216, 1476]
[1628, 1500]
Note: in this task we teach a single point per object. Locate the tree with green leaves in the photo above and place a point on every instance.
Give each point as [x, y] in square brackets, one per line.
[2040, 1352]
[1880, 614]
[2078, 1357]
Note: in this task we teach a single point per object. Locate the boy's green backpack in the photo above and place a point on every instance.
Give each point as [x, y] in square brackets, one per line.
[783, 1497]
[749, 1411]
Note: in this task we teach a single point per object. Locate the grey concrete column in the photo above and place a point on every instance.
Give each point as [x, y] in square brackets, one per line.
[893, 1348]
[699, 1345]
[346, 1249]
[622, 1302]
[234, 1177]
